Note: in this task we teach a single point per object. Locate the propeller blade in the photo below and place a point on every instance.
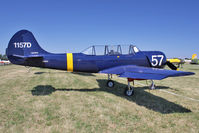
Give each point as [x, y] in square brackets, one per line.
[172, 66]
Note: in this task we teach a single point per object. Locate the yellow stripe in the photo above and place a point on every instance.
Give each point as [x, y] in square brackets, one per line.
[69, 62]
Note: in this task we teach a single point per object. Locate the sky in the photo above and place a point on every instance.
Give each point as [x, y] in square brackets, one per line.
[171, 26]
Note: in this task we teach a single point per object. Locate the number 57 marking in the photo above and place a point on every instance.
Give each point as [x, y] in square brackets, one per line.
[155, 60]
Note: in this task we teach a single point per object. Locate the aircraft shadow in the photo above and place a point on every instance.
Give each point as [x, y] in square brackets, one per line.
[38, 73]
[141, 97]
[83, 73]
[79, 73]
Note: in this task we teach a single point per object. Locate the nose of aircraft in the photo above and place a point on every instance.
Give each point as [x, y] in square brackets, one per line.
[164, 60]
[156, 59]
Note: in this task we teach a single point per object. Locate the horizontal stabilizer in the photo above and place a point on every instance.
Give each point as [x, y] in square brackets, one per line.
[28, 56]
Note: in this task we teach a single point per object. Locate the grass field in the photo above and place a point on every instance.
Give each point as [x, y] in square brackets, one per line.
[45, 100]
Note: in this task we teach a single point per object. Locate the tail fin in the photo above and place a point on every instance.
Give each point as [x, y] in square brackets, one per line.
[23, 44]
[194, 56]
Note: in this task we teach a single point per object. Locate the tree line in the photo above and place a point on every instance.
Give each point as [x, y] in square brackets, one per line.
[3, 57]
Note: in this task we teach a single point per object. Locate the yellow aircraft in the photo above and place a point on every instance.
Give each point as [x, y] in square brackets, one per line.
[194, 59]
[176, 61]
[194, 56]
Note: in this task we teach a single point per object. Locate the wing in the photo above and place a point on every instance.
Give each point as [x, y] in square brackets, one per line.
[138, 72]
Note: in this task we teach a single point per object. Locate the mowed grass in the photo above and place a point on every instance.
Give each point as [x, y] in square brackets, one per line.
[45, 100]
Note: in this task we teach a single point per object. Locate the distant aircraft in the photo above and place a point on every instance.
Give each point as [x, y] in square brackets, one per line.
[4, 62]
[130, 63]
[194, 56]
[194, 59]
[179, 62]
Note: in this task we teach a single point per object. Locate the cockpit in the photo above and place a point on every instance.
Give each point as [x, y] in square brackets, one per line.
[111, 50]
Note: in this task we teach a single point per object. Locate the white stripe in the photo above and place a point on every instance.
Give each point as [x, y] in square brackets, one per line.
[179, 95]
[140, 83]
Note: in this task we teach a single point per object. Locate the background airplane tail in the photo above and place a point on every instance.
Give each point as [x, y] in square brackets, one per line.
[23, 44]
[194, 56]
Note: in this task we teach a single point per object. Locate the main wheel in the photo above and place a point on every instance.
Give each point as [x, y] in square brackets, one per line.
[128, 92]
[110, 83]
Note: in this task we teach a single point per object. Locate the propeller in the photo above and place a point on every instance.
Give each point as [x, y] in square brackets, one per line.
[172, 66]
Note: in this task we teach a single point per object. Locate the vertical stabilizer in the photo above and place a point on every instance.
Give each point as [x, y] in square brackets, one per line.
[194, 56]
[23, 44]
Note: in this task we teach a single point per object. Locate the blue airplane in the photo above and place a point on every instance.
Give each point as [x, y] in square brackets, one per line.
[124, 61]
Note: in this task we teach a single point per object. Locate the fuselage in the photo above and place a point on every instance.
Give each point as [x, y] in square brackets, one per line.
[23, 49]
[80, 62]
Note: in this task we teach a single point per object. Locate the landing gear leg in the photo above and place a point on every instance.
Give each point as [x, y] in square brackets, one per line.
[152, 86]
[129, 91]
[110, 83]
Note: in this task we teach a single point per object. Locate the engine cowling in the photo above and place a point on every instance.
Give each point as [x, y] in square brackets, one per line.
[157, 59]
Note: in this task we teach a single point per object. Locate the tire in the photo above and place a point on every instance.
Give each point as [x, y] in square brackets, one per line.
[110, 83]
[128, 92]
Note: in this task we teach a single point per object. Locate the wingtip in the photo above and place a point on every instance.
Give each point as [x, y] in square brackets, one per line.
[191, 73]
